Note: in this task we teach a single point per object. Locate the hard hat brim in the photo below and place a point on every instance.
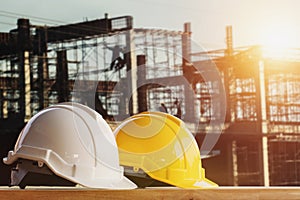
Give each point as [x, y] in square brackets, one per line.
[122, 183]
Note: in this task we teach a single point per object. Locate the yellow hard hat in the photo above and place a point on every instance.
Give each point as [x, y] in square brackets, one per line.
[161, 145]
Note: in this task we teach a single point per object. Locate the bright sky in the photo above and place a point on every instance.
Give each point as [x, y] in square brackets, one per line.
[271, 22]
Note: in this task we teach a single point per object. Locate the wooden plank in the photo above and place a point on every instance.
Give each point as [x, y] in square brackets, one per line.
[222, 193]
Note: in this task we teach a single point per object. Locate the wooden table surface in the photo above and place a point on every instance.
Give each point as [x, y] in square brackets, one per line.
[224, 193]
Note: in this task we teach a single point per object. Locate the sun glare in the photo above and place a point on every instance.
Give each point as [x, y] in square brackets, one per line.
[278, 36]
[276, 39]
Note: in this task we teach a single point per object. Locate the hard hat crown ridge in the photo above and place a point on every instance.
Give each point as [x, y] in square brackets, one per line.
[75, 143]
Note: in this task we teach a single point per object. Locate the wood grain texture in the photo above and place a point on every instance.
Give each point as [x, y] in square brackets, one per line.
[222, 193]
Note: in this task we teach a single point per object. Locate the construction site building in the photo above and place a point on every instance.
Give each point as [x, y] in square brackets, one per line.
[241, 104]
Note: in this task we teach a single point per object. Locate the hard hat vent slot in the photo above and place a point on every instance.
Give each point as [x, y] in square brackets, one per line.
[40, 164]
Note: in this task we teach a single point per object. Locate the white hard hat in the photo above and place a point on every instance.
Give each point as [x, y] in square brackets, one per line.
[75, 143]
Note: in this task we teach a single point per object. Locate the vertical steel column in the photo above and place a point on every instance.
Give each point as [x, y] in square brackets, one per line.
[262, 117]
[24, 46]
[263, 124]
[27, 85]
[42, 66]
[229, 43]
[227, 75]
[142, 89]
[1, 103]
[62, 84]
[130, 58]
[234, 163]
[188, 73]
[5, 105]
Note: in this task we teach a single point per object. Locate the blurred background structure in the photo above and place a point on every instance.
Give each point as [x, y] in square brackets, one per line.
[119, 71]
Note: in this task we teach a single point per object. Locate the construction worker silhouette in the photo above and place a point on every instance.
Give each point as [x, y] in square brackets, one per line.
[178, 108]
[117, 62]
[163, 108]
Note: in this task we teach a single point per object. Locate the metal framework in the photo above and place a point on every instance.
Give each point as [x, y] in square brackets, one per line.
[120, 71]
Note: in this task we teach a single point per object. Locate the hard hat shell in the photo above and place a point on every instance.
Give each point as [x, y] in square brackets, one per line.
[76, 143]
[161, 145]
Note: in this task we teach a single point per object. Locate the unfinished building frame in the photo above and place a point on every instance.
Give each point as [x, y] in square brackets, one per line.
[120, 71]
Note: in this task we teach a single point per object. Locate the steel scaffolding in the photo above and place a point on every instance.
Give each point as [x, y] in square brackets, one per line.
[119, 71]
